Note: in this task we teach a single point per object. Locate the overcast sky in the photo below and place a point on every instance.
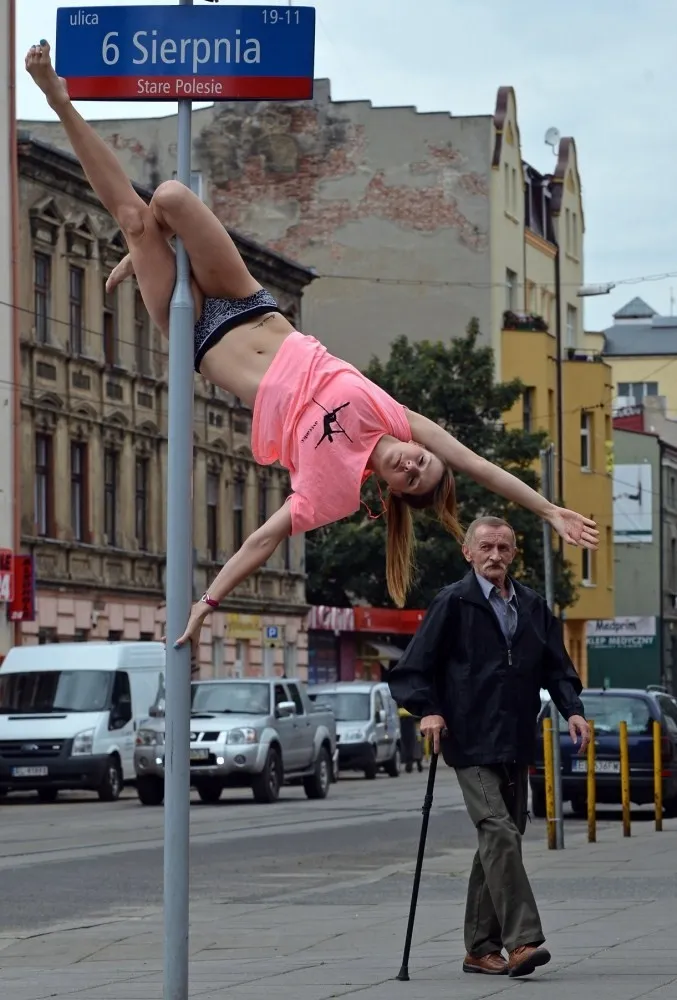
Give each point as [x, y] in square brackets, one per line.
[603, 71]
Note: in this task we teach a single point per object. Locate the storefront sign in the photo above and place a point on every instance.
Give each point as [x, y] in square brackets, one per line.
[621, 633]
[388, 620]
[6, 576]
[22, 605]
[242, 626]
[325, 618]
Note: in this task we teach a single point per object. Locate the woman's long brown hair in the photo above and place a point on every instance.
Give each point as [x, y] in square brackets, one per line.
[400, 531]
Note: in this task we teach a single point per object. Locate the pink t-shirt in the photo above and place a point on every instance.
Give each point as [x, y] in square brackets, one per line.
[321, 419]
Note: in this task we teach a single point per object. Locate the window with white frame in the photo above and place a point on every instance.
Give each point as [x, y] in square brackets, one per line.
[637, 390]
[572, 326]
[510, 290]
[196, 184]
[587, 567]
[586, 440]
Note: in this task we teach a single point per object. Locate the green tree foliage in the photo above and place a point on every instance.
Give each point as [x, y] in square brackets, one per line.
[454, 385]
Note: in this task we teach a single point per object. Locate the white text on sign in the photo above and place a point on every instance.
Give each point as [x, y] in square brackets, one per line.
[193, 52]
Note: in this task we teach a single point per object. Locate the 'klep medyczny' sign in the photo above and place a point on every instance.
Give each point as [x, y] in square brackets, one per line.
[621, 633]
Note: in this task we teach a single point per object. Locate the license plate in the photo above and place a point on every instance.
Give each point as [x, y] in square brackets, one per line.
[199, 754]
[601, 766]
[30, 772]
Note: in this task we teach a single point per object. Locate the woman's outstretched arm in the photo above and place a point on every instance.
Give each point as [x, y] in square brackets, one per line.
[257, 549]
[573, 527]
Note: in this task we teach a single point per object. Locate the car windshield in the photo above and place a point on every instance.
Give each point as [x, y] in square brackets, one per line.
[608, 710]
[239, 698]
[42, 691]
[347, 706]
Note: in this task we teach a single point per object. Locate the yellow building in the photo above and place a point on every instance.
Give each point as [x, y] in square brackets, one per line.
[641, 349]
[586, 391]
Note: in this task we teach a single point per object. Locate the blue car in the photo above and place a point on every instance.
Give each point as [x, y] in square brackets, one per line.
[607, 708]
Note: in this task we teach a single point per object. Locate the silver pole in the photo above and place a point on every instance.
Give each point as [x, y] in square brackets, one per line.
[547, 476]
[179, 577]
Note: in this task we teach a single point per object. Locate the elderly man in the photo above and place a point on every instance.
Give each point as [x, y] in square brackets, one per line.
[473, 672]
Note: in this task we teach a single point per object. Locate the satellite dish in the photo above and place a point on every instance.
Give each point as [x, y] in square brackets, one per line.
[552, 138]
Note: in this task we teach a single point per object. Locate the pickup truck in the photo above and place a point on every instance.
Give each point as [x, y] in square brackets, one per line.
[245, 733]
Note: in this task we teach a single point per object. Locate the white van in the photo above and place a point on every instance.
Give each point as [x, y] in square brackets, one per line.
[69, 714]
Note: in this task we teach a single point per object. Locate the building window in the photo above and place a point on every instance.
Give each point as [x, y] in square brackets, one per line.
[76, 297]
[510, 290]
[673, 564]
[213, 516]
[238, 514]
[196, 182]
[574, 234]
[111, 469]
[287, 552]
[586, 441]
[567, 230]
[609, 557]
[513, 192]
[671, 491]
[44, 485]
[587, 569]
[144, 361]
[506, 178]
[263, 501]
[637, 390]
[141, 502]
[572, 326]
[241, 668]
[42, 296]
[528, 409]
[110, 326]
[79, 491]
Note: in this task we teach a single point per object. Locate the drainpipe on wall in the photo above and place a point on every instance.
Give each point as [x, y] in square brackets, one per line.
[15, 324]
[661, 565]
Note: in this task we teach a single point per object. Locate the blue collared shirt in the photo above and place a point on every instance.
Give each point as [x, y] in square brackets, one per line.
[505, 608]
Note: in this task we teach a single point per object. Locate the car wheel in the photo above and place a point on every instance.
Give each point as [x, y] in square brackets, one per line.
[111, 784]
[151, 790]
[670, 808]
[538, 803]
[579, 807]
[371, 768]
[394, 765]
[48, 794]
[210, 791]
[266, 785]
[317, 785]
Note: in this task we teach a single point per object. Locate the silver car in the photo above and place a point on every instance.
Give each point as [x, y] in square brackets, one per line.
[249, 733]
[367, 725]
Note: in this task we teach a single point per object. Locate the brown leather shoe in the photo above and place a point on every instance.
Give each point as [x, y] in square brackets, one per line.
[487, 965]
[524, 960]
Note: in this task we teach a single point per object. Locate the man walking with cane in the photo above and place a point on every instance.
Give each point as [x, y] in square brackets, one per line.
[473, 672]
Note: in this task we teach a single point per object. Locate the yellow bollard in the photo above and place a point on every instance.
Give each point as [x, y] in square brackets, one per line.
[592, 788]
[658, 775]
[625, 777]
[549, 784]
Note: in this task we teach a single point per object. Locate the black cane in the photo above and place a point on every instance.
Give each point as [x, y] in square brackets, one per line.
[403, 974]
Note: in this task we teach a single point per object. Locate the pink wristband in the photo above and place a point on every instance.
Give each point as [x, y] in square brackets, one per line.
[209, 600]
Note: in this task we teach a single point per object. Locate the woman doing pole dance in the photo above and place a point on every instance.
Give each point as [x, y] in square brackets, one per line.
[318, 416]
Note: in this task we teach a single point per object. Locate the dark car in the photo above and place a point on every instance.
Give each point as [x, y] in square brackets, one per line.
[607, 708]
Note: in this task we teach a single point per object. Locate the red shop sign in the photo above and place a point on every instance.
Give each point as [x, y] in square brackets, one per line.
[393, 620]
[22, 605]
[6, 576]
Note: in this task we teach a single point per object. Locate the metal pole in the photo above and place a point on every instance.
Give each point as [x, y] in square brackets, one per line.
[625, 777]
[549, 783]
[547, 488]
[592, 787]
[179, 587]
[658, 774]
[560, 390]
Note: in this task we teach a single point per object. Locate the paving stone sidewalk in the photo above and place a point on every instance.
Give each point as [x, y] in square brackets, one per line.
[609, 909]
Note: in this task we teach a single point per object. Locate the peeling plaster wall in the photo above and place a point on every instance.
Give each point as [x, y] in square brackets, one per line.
[393, 203]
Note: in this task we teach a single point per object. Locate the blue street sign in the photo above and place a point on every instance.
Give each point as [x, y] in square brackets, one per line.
[186, 53]
[272, 632]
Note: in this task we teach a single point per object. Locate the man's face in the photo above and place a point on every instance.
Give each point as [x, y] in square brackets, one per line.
[491, 551]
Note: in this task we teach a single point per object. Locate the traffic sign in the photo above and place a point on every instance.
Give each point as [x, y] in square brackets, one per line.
[186, 53]
[272, 632]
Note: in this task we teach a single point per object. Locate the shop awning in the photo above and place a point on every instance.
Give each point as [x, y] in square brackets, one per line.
[385, 652]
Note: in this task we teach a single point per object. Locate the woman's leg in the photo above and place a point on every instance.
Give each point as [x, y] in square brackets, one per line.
[215, 261]
[152, 257]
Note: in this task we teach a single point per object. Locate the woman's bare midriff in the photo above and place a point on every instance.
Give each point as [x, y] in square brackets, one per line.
[238, 362]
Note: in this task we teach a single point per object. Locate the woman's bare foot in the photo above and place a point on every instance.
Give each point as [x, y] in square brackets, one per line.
[121, 271]
[39, 65]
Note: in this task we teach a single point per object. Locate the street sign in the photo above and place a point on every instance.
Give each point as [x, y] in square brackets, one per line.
[186, 53]
[6, 576]
[22, 605]
[272, 632]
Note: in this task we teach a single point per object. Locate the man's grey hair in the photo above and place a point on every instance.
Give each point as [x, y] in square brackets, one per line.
[489, 522]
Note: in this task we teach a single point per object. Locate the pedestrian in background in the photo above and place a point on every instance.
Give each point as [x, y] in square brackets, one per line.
[412, 751]
[473, 673]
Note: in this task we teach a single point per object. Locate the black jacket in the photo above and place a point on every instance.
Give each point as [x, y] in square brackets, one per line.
[459, 666]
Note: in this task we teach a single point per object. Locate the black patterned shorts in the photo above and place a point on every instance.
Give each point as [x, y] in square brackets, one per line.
[218, 316]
